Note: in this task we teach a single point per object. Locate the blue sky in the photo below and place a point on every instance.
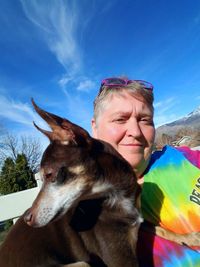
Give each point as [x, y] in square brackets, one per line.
[59, 51]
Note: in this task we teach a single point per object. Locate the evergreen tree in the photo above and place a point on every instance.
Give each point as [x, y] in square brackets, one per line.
[7, 177]
[16, 175]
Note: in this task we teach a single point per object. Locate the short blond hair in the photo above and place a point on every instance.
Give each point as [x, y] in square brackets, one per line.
[134, 89]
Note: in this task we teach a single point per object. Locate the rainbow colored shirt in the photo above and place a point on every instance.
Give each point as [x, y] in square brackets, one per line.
[171, 198]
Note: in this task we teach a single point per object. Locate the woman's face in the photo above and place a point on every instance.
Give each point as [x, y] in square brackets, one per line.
[127, 124]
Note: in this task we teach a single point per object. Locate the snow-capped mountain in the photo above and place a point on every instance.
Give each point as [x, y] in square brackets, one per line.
[192, 119]
[195, 112]
[188, 125]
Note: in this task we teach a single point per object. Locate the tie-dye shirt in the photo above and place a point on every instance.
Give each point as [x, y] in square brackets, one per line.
[171, 198]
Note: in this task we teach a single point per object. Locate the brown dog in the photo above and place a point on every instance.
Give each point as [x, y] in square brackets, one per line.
[76, 167]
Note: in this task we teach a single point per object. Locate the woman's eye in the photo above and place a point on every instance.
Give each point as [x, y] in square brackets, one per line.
[146, 121]
[119, 120]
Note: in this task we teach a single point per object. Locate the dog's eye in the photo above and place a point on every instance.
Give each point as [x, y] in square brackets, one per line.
[48, 175]
[62, 175]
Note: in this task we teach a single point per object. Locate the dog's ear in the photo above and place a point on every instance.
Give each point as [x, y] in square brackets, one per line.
[63, 130]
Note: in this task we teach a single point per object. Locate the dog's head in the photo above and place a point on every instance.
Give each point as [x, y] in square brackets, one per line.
[74, 167]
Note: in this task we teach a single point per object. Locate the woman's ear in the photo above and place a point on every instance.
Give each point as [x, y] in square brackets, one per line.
[94, 128]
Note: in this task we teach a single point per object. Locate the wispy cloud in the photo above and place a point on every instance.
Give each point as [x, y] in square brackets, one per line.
[165, 105]
[23, 114]
[164, 111]
[85, 85]
[59, 24]
[63, 25]
[19, 112]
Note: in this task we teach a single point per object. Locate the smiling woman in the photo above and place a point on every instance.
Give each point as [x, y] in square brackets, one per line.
[168, 179]
[123, 116]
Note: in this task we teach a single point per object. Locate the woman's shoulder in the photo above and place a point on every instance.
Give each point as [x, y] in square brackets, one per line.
[192, 155]
[169, 152]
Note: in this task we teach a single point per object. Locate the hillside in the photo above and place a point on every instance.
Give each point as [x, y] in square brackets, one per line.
[185, 130]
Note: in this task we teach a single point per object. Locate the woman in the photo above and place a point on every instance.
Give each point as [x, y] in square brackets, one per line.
[170, 179]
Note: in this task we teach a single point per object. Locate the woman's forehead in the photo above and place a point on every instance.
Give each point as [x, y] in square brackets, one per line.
[125, 97]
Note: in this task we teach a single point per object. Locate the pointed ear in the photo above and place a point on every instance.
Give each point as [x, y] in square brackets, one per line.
[45, 132]
[63, 130]
[50, 118]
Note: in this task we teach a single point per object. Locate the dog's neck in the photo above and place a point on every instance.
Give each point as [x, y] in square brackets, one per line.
[120, 208]
[115, 183]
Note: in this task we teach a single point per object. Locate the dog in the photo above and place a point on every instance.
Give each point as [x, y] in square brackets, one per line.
[77, 169]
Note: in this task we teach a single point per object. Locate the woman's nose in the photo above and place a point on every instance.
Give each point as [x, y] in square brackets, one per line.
[133, 129]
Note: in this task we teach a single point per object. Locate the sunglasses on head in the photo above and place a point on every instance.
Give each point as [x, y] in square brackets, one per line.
[124, 82]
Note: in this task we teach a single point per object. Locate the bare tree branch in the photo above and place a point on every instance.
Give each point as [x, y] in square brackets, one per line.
[11, 146]
[32, 149]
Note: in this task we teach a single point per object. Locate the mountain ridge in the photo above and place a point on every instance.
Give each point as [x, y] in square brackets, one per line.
[189, 125]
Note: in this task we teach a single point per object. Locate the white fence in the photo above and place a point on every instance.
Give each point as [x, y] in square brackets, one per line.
[13, 205]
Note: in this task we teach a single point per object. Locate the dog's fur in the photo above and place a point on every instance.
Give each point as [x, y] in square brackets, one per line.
[75, 167]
